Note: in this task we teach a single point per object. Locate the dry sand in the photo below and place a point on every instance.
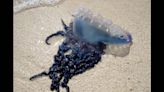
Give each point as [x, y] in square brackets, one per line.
[121, 74]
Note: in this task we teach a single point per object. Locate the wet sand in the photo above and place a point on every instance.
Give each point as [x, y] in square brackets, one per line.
[112, 74]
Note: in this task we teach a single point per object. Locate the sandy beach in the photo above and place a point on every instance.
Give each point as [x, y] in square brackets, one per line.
[113, 74]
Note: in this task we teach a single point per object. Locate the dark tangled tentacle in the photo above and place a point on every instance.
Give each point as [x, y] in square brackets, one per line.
[64, 25]
[39, 75]
[83, 56]
[55, 34]
[62, 33]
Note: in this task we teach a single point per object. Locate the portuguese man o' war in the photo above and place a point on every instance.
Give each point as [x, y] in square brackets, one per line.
[87, 38]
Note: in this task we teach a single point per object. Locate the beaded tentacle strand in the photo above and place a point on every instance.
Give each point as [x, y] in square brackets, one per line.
[83, 56]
